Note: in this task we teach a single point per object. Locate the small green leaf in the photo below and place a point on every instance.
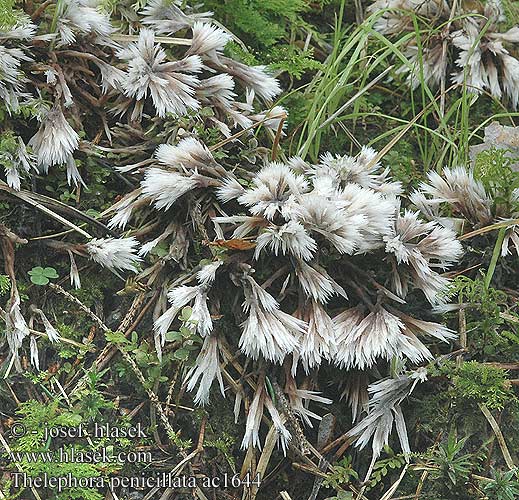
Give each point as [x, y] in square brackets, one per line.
[116, 337]
[141, 357]
[161, 250]
[181, 354]
[173, 336]
[93, 213]
[41, 276]
[185, 332]
[186, 314]
[50, 272]
[39, 279]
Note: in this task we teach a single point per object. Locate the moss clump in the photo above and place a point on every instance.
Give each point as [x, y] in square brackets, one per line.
[483, 384]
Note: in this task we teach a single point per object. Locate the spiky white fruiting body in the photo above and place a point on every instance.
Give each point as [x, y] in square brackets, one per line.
[268, 331]
[419, 248]
[207, 274]
[164, 188]
[189, 153]
[170, 84]
[114, 253]
[272, 187]
[55, 140]
[166, 17]
[205, 370]
[208, 41]
[317, 283]
[290, 238]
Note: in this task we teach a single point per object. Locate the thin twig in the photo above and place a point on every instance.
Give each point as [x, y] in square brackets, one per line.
[136, 370]
[275, 145]
[167, 40]
[241, 132]
[499, 435]
[487, 229]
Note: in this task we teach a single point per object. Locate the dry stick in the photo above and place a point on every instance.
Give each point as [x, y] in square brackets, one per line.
[247, 464]
[200, 494]
[340, 452]
[375, 283]
[421, 482]
[136, 370]
[38, 12]
[159, 39]
[275, 145]
[54, 235]
[39, 206]
[499, 435]
[275, 276]
[263, 461]
[334, 443]
[109, 350]
[13, 394]
[180, 466]
[171, 389]
[199, 448]
[241, 132]
[487, 229]
[151, 395]
[509, 317]
[502, 366]
[389, 493]
[482, 478]
[311, 470]
[359, 12]
[462, 321]
[303, 446]
[77, 302]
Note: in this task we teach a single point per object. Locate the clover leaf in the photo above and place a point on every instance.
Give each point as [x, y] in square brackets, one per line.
[42, 275]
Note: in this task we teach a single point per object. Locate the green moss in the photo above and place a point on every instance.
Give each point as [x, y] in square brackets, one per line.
[483, 384]
[477, 382]
[8, 14]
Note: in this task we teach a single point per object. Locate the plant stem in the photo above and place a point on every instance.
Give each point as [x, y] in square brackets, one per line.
[54, 24]
[495, 256]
